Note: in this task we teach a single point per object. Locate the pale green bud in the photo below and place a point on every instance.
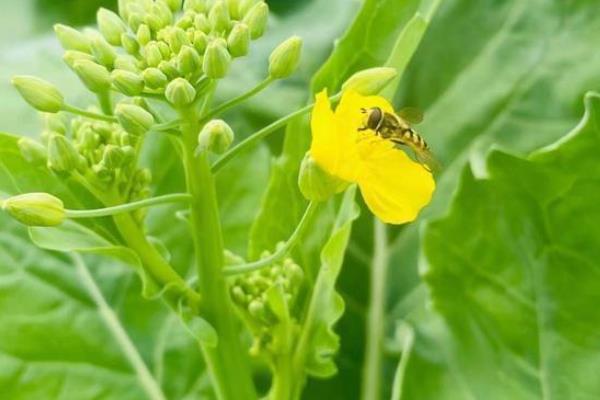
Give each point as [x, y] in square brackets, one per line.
[94, 76]
[135, 20]
[256, 18]
[234, 9]
[315, 183]
[180, 92]
[72, 39]
[144, 35]
[32, 151]
[103, 173]
[134, 119]
[188, 60]
[174, 5]
[216, 60]
[152, 54]
[104, 52]
[130, 44]
[200, 41]
[169, 69]
[111, 26]
[201, 23]
[256, 308]
[71, 56]
[55, 123]
[62, 156]
[127, 82]
[154, 22]
[177, 38]
[215, 136]
[195, 5]
[154, 78]
[126, 62]
[165, 50]
[162, 11]
[370, 81]
[245, 6]
[238, 296]
[41, 95]
[218, 16]
[238, 41]
[284, 60]
[35, 209]
[185, 22]
[113, 156]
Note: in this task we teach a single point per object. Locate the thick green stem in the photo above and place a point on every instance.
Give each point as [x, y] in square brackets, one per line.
[105, 100]
[283, 386]
[227, 361]
[128, 207]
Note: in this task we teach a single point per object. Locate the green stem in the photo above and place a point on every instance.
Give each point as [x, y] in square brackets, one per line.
[105, 100]
[227, 361]
[124, 208]
[373, 364]
[282, 387]
[283, 250]
[261, 134]
[237, 100]
[88, 114]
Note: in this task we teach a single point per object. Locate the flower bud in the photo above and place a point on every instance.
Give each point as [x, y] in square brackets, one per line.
[238, 296]
[169, 69]
[201, 23]
[152, 54]
[62, 156]
[72, 39]
[135, 20]
[94, 76]
[370, 81]
[180, 92]
[41, 95]
[215, 136]
[177, 39]
[218, 16]
[284, 60]
[238, 41]
[111, 26]
[154, 78]
[72, 56]
[256, 18]
[143, 35]
[55, 123]
[162, 12]
[174, 5]
[134, 119]
[104, 52]
[216, 60]
[126, 62]
[130, 44]
[113, 156]
[200, 41]
[234, 9]
[315, 183]
[103, 173]
[35, 209]
[195, 5]
[32, 151]
[256, 308]
[245, 6]
[127, 82]
[188, 60]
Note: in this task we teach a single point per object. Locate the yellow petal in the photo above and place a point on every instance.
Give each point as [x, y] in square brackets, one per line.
[394, 187]
[349, 112]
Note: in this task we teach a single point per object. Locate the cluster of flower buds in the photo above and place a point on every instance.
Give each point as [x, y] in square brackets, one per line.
[250, 292]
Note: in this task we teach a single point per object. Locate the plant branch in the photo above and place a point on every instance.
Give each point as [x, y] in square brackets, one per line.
[89, 114]
[237, 100]
[128, 207]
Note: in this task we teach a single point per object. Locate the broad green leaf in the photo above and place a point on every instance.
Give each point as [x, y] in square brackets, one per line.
[513, 272]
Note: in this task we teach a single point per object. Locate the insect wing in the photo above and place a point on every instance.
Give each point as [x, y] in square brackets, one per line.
[430, 163]
[411, 115]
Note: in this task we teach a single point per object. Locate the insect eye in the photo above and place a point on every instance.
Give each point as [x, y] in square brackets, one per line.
[363, 110]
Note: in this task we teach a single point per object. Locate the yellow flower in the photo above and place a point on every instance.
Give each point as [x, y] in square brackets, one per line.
[394, 186]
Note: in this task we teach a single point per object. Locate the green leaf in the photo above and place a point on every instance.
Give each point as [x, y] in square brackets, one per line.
[513, 271]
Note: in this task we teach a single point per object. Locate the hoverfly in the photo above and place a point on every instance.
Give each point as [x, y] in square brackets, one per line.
[397, 129]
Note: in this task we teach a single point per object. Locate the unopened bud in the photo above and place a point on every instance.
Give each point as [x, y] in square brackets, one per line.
[163, 12]
[201, 23]
[284, 60]
[215, 136]
[169, 69]
[256, 308]
[218, 17]
[216, 60]
[130, 44]
[104, 52]
[94, 76]
[256, 18]
[127, 82]
[200, 41]
[245, 6]
[154, 78]
[188, 60]
[62, 156]
[135, 20]
[41, 95]
[113, 156]
[134, 119]
[143, 35]
[72, 56]
[35, 209]
[111, 26]
[72, 39]
[32, 151]
[238, 41]
[152, 54]
[55, 123]
[180, 92]
[174, 5]
[177, 38]
[195, 5]
[126, 62]
[234, 9]
[370, 81]
[315, 183]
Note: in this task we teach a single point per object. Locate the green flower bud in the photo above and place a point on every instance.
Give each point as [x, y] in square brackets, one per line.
[94, 76]
[104, 52]
[201, 23]
[185, 22]
[234, 9]
[126, 62]
[111, 26]
[72, 39]
[216, 60]
[127, 82]
[315, 183]
[35, 209]
[174, 5]
[256, 308]
[152, 54]
[200, 41]
[245, 6]
[113, 157]
[169, 69]
[188, 60]
[215, 136]
[284, 60]
[238, 296]
[165, 50]
[55, 123]
[177, 38]
[154, 22]
[130, 44]
[218, 16]
[180, 92]
[144, 35]
[195, 5]
[238, 41]
[41, 95]
[370, 81]
[135, 20]
[72, 56]
[256, 18]
[154, 78]
[32, 151]
[163, 12]
[134, 119]
[62, 156]
[103, 173]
